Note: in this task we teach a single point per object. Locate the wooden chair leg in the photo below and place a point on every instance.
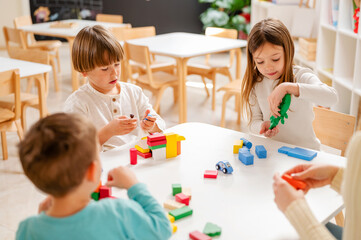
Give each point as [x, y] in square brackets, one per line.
[55, 74]
[340, 219]
[23, 116]
[20, 130]
[226, 96]
[214, 91]
[175, 94]
[30, 84]
[57, 59]
[205, 85]
[158, 98]
[4, 145]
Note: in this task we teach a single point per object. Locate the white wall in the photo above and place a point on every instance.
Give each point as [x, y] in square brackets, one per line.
[8, 11]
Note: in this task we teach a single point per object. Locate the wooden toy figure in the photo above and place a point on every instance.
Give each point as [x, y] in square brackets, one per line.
[284, 106]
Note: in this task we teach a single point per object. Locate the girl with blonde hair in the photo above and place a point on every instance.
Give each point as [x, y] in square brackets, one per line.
[270, 75]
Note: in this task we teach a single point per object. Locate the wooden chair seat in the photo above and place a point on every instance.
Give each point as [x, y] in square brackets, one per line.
[159, 79]
[6, 115]
[50, 45]
[25, 98]
[210, 69]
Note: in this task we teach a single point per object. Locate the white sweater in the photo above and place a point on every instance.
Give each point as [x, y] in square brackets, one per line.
[102, 109]
[297, 129]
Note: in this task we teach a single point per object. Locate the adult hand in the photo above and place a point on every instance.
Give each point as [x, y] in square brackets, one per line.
[268, 132]
[285, 194]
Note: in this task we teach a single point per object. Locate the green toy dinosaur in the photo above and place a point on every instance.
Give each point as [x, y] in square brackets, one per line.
[284, 106]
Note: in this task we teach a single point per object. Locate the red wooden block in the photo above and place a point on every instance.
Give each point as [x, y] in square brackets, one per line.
[196, 235]
[182, 198]
[297, 184]
[145, 155]
[156, 137]
[104, 192]
[210, 174]
[133, 156]
[156, 143]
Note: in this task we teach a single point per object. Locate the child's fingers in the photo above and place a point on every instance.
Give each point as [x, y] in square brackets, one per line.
[146, 113]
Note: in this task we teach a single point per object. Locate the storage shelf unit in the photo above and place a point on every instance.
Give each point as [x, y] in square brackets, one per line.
[338, 58]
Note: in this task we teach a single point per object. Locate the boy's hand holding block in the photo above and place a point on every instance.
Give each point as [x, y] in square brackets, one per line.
[297, 184]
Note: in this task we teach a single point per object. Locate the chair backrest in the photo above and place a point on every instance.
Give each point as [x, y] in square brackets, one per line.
[332, 128]
[138, 32]
[13, 38]
[140, 55]
[10, 84]
[118, 32]
[100, 17]
[224, 33]
[25, 21]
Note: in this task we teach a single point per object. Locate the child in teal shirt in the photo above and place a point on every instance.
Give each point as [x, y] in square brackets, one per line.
[60, 156]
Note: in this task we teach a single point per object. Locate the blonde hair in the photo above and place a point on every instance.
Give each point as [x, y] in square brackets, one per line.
[94, 47]
[352, 189]
[275, 32]
[57, 151]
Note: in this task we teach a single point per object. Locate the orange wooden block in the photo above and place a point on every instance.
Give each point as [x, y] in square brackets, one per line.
[297, 184]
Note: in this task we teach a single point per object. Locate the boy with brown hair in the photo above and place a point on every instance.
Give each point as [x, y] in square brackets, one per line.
[60, 156]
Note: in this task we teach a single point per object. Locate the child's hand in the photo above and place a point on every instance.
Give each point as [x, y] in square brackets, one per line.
[275, 99]
[285, 194]
[45, 204]
[121, 177]
[148, 122]
[268, 132]
[122, 125]
[314, 175]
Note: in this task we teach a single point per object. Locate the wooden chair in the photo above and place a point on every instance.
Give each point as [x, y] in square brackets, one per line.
[10, 118]
[334, 129]
[209, 70]
[124, 34]
[28, 99]
[231, 89]
[100, 17]
[156, 82]
[52, 46]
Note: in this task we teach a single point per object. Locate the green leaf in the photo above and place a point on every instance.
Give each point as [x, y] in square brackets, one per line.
[207, 1]
[213, 17]
[226, 4]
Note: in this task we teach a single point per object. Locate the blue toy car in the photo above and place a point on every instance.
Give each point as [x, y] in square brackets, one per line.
[224, 166]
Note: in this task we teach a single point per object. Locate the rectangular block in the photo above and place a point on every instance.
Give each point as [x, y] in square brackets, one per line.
[156, 143]
[144, 155]
[210, 174]
[187, 192]
[182, 198]
[237, 145]
[171, 218]
[171, 204]
[104, 192]
[284, 149]
[156, 137]
[95, 196]
[157, 146]
[196, 235]
[176, 188]
[301, 153]
[142, 150]
[159, 154]
[245, 157]
[261, 151]
[297, 184]
[181, 212]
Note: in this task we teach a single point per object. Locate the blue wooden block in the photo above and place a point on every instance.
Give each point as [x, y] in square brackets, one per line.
[302, 153]
[246, 143]
[284, 149]
[245, 157]
[244, 150]
[261, 151]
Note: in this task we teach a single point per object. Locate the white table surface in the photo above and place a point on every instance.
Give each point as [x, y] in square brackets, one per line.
[45, 29]
[241, 203]
[180, 44]
[26, 68]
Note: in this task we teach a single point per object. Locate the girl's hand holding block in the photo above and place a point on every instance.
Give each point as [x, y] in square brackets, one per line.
[268, 132]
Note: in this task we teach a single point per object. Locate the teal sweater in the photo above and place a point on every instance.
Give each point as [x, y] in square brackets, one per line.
[140, 217]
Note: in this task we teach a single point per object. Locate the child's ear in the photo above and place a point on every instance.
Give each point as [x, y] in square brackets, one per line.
[84, 74]
[91, 173]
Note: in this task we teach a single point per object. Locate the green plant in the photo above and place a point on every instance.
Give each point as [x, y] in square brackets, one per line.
[227, 14]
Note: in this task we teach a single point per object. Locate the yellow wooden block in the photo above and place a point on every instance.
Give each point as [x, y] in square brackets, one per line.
[187, 192]
[174, 227]
[237, 145]
[171, 218]
[172, 139]
[142, 150]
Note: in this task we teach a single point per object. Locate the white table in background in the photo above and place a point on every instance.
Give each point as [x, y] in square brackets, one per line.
[30, 69]
[241, 203]
[69, 34]
[182, 47]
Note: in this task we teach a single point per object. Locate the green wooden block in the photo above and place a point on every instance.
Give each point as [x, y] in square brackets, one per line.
[177, 188]
[95, 196]
[212, 229]
[181, 212]
[158, 146]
